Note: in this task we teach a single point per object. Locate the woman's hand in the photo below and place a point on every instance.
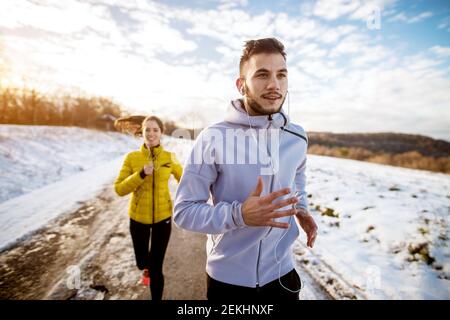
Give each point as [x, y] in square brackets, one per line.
[148, 169]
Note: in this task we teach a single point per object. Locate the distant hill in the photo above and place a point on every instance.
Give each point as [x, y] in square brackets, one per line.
[405, 150]
[393, 143]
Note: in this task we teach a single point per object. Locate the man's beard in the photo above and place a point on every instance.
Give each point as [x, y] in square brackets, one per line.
[256, 107]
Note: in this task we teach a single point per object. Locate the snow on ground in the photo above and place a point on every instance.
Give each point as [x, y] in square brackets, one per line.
[27, 213]
[48, 171]
[383, 230]
[34, 156]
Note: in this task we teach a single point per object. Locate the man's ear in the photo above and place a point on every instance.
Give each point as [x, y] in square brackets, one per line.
[240, 85]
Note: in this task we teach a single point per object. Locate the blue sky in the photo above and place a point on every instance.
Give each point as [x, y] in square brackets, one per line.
[179, 59]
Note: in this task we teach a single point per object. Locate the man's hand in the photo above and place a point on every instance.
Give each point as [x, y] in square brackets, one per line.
[260, 211]
[308, 224]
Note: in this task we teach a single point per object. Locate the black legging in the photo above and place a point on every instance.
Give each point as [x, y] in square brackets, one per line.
[220, 291]
[153, 259]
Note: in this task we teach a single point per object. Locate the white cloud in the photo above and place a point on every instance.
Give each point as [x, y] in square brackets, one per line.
[232, 4]
[375, 99]
[420, 17]
[374, 55]
[334, 34]
[369, 8]
[351, 44]
[100, 58]
[55, 16]
[441, 51]
[420, 63]
[402, 17]
[332, 10]
[290, 29]
[155, 37]
[320, 69]
[444, 24]
[306, 9]
[230, 27]
[311, 50]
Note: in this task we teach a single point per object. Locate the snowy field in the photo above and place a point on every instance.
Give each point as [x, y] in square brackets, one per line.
[383, 231]
[35, 156]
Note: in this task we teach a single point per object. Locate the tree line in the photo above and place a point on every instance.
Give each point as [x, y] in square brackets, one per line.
[31, 107]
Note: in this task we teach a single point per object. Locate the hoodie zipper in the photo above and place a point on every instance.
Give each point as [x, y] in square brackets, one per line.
[257, 266]
[271, 188]
[269, 153]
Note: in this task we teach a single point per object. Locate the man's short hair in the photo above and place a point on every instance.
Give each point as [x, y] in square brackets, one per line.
[266, 45]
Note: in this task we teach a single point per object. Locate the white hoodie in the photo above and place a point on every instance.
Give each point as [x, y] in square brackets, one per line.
[239, 254]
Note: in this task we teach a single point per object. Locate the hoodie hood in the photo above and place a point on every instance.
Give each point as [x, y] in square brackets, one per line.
[237, 114]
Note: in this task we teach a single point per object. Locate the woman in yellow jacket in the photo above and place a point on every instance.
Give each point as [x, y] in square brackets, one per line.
[145, 174]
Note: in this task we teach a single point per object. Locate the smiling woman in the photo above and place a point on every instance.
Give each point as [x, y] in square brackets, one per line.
[145, 174]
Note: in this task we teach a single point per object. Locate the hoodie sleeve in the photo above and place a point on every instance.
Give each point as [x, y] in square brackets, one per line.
[300, 176]
[300, 182]
[191, 210]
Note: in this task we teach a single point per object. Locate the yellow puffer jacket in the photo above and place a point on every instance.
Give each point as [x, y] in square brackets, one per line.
[150, 201]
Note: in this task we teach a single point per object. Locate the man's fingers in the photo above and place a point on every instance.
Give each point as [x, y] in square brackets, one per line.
[283, 203]
[276, 194]
[282, 213]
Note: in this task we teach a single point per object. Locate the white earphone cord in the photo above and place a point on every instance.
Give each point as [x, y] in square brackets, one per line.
[290, 217]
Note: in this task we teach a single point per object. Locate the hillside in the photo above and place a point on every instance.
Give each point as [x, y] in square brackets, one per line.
[404, 150]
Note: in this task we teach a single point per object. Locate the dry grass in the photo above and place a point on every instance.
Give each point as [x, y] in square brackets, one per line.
[411, 159]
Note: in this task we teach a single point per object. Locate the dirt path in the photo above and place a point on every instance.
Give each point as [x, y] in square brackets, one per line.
[90, 249]
[88, 254]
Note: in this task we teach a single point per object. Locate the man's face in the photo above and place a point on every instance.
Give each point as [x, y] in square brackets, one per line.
[265, 82]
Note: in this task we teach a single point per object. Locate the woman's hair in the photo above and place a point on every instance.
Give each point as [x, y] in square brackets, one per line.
[135, 124]
[153, 118]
